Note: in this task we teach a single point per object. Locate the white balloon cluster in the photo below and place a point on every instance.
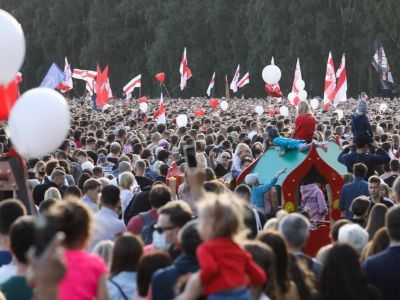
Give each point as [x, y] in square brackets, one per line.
[284, 111]
[314, 103]
[181, 120]
[40, 119]
[301, 94]
[224, 105]
[383, 107]
[143, 107]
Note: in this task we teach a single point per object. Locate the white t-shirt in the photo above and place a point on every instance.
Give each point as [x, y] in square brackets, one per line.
[7, 271]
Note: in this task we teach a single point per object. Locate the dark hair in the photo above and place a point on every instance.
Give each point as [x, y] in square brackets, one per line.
[393, 223]
[395, 165]
[335, 229]
[126, 253]
[110, 195]
[91, 184]
[360, 170]
[46, 205]
[190, 238]
[160, 195]
[360, 205]
[242, 191]
[73, 190]
[148, 265]
[163, 170]
[361, 142]
[97, 171]
[178, 211]
[82, 179]
[163, 155]
[214, 186]
[376, 219]
[275, 240]
[264, 257]
[50, 166]
[210, 174]
[74, 219]
[342, 269]
[22, 237]
[10, 210]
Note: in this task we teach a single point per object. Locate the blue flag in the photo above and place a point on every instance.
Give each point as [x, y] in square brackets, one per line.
[53, 77]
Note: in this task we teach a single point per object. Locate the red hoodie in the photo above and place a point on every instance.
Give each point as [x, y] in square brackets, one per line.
[224, 265]
[305, 127]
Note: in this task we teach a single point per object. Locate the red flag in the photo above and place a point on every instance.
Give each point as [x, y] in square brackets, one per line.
[159, 115]
[183, 69]
[8, 97]
[211, 85]
[101, 87]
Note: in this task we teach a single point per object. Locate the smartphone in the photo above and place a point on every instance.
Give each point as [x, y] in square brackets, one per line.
[45, 230]
[190, 156]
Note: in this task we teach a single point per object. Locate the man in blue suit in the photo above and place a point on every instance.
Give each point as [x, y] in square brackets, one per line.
[383, 269]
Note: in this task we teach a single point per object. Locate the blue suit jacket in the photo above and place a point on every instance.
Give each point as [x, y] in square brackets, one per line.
[383, 271]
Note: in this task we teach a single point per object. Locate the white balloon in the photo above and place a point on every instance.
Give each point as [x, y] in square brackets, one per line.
[383, 107]
[143, 107]
[181, 120]
[291, 97]
[303, 95]
[12, 49]
[300, 84]
[224, 105]
[259, 109]
[284, 111]
[271, 74]
[39, 122]
[339, 113]
[314, 103]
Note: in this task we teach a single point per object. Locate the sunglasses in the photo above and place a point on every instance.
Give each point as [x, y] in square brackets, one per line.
[226, 157]
[160, 229]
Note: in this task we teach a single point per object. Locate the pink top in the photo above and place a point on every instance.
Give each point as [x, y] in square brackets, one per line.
[84, 271]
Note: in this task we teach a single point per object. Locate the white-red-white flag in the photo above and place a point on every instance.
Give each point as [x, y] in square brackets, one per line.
[245, 80]
[159, 115]
[88, 76]
[341, 86]
[183, 69]
[295, 90]
[234, 83]
[131, 85]
[211, 85]
[330, 80]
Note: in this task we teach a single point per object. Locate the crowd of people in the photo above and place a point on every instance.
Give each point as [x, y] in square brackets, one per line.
[131, 220]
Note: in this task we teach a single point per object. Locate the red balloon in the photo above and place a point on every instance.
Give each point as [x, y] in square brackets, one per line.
[160, 77]
[214, 102]
[8, 97]
[143, 99]
[199, 112]
[271, 112]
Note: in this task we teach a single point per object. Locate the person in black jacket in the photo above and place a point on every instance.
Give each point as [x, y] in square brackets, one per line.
[164, 281]
[57, 180]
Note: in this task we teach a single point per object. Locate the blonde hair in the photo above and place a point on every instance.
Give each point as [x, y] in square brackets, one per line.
[242, 147]
[303, 108]
[201, 160]
[226, 214]
[126, 180]
[52, 193]
[105, 250]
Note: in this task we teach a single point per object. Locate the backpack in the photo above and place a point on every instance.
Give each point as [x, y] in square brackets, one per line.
[148, 228]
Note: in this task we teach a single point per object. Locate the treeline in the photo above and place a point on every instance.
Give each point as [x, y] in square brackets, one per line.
[148, 36]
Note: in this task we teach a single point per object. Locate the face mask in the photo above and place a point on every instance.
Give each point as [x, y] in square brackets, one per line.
[159, 241]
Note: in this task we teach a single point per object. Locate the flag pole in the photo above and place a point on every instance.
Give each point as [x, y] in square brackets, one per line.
[166, 91]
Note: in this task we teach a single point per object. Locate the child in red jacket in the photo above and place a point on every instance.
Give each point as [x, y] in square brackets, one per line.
[226, 269]
[305, 123]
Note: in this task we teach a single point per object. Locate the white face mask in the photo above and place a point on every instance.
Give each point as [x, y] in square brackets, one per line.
[160, 241]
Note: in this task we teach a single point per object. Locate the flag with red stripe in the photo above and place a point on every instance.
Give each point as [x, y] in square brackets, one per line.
[227, 92]
[330, 80]
[183, 69]
[211, 85]
[86, 75]
[341, 87]
[159, 115]
[131, 85]
[245, 80]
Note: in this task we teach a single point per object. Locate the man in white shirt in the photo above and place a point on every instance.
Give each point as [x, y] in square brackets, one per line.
[106, 223]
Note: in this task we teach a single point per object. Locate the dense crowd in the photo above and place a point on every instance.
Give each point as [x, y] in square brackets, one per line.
[135, 222]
